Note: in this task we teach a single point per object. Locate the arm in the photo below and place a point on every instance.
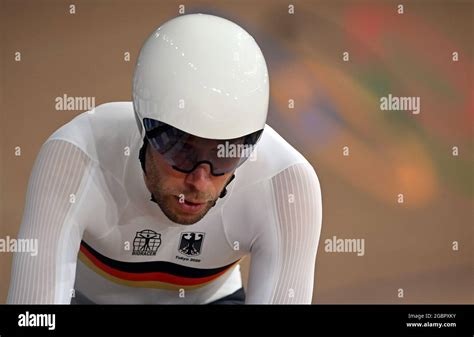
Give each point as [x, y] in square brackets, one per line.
[283, 253]
[54, 189]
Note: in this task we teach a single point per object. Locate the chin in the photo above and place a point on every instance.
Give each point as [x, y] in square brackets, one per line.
[186, 220]
[182, 218]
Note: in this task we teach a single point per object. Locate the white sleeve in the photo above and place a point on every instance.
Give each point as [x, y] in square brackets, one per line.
[283, 253]
[53, 192]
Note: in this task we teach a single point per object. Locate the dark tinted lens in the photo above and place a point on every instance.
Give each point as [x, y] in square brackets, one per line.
[185, 152]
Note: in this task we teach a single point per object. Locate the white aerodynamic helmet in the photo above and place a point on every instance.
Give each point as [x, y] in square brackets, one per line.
[203, 75]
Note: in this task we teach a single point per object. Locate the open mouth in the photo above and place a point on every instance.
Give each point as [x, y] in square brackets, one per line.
[193, 203]
[189, 206]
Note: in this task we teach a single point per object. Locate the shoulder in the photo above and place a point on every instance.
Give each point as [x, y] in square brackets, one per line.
[103, 134]
[107, 125]
[278, 177]
[272, 155]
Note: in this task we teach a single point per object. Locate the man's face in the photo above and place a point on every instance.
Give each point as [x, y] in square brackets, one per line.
[185, 198]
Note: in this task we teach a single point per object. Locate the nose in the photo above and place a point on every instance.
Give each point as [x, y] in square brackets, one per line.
[200, 178]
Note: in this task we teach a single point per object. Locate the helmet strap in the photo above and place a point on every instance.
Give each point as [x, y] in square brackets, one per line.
[224, 191]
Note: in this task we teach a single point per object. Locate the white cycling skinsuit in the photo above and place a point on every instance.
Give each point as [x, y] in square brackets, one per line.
[100, 235]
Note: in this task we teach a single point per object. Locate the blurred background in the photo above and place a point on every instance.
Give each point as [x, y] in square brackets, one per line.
[408, 245]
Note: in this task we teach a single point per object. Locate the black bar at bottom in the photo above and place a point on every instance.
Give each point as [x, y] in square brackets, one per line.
[250, 320]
